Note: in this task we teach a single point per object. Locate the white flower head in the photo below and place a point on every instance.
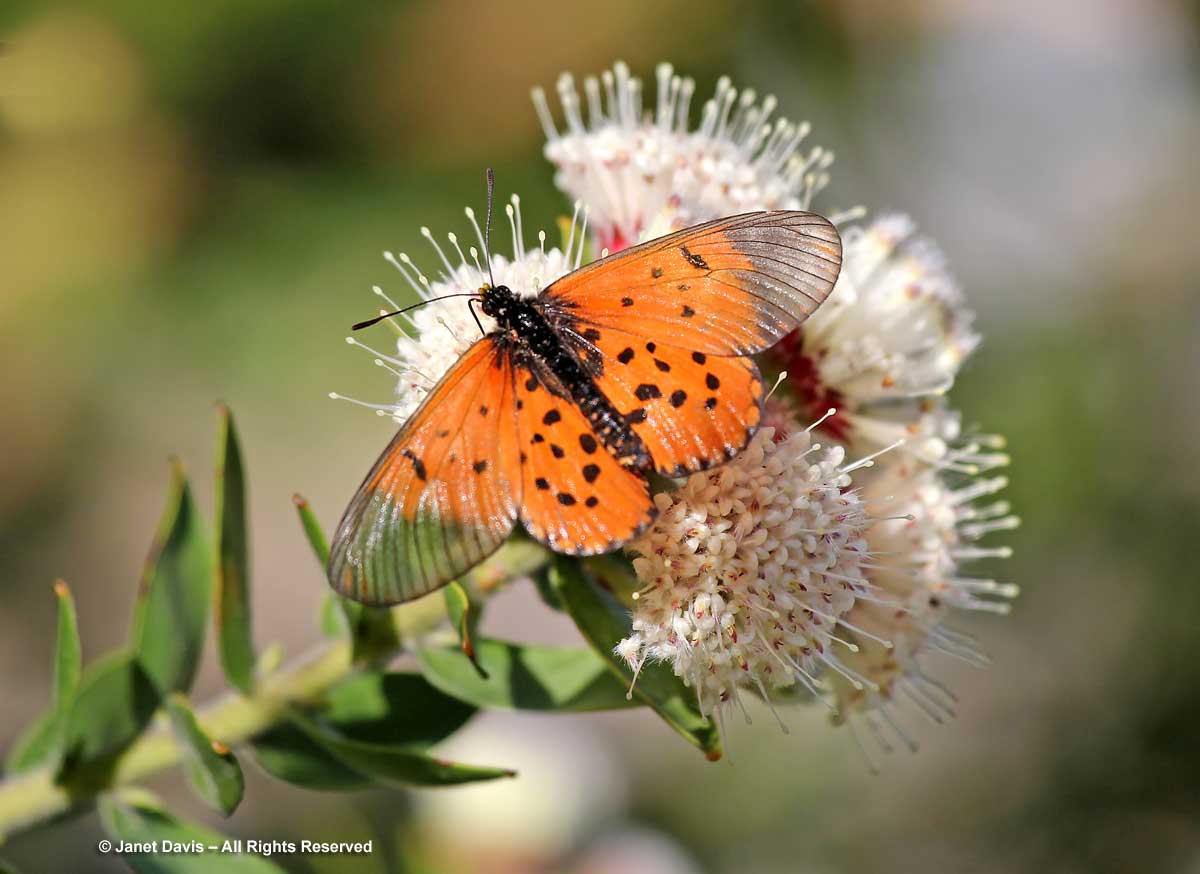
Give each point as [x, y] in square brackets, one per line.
[926, 531]
[644, 172]
[748, 569]
[433, 337]
[891, 336]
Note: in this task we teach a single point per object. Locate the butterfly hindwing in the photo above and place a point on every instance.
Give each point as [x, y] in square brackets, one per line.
[443, 495]
[733, 286]
[577, 498]
[691, 409]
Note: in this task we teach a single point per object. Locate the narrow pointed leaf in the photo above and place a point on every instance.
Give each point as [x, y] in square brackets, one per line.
[394, 765]
[172, 605]
[604, 623]
[212, 770]
[232, 584]
[526, 677]
[393, 709]
[41, 743]
[289, 754]
[115, 703]
[36, 746]
[68, 655]
[138, 819]
[312, 531]
[372, 630]
[464, 616]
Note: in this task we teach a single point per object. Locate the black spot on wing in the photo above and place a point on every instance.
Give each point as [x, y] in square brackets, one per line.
[479, 466]
[590, 472]
[566, 499]
[626, 355]
[552, 416]
[678, 398]
[693, 259]
[588, 443]
[418, 465]
[712, 382]
[648, 391]
[699, 357]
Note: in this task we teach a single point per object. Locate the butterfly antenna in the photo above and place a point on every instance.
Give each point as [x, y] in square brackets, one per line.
[487, 226]
[379, 318]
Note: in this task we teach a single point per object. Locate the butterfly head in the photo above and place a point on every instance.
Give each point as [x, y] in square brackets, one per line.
[498, 301]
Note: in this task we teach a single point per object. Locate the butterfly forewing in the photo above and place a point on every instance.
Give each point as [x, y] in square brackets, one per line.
[733, 286]
[577, 498]
[444, 494]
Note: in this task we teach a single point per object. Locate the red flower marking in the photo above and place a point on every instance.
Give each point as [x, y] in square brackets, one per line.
[805, 381]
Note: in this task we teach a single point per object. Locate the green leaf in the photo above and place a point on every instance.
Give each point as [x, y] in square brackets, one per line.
[115, 703]
[312, 530]
[41, 743]
[287, 753]
[604, 623]
[35, 746]
[211, 769]
[232, 585]
[464, 616]
[393, 709]
[545, 590]
[172, 605]
[372, 630]
[394, 765]
[138, 819]
[526, 677]
[68, 654]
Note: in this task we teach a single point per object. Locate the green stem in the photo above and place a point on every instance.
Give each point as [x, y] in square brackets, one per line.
[32, 798]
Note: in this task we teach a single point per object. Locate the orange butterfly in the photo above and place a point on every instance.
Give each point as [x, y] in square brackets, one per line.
[637, 362]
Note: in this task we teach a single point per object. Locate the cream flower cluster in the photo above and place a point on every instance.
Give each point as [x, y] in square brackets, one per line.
[748, 569]
[881, 353]
[646, 172]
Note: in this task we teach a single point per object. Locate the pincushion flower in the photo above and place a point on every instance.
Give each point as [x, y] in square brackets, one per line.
[646, 173]
[919, 556]
[748, 570]
[891, 337]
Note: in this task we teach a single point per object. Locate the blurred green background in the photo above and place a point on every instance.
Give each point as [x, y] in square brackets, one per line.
[193, 203]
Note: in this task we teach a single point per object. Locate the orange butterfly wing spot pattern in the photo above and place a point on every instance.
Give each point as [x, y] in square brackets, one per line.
[732, 286]
[577, 497]
[691, 409]
[444, 494]
[633, 363]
